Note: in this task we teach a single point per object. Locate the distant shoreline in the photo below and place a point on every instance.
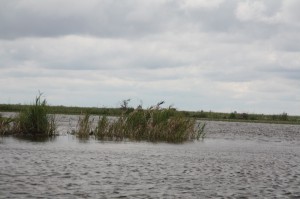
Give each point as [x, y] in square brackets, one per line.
[282, 118]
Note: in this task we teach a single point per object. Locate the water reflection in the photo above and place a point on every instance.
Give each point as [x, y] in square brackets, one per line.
[84, 139]
[38, 138]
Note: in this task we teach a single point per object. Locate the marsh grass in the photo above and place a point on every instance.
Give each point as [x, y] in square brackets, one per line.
[104, 128]
[84, 126]
[35, 120]
[153, 124]
[5, 125]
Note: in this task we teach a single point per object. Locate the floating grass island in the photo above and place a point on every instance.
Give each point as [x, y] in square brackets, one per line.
[166, 125]
[154, 124]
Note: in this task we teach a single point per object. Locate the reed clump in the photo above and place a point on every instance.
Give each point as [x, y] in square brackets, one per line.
[84, 126]
[153, 124]
[5, 125]
[35, 120]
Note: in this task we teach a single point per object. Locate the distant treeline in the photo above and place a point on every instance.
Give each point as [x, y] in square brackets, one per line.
[235, 116]
[206, 115]
[72, 110]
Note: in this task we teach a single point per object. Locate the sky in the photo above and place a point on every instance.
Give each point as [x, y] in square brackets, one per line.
[211, 55]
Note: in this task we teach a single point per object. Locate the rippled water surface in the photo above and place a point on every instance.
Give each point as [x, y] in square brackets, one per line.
[235, 160]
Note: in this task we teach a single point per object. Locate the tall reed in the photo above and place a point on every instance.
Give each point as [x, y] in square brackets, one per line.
[84, 126]
[35, 120]
[153, 124]
[5, 125]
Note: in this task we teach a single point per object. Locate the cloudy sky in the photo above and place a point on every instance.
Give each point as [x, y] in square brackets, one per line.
[219, 55]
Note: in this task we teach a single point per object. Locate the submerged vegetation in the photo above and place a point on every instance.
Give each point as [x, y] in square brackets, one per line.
[152, 124]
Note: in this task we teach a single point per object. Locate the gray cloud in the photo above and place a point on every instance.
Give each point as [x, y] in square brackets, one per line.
[221, 55]
[105, 18]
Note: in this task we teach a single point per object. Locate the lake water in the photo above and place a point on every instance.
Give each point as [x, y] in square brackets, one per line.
[236, 160]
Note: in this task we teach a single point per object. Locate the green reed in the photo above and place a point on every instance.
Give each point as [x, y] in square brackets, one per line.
[35, 120]
[84, 126]
[167, 125]
[5, 125]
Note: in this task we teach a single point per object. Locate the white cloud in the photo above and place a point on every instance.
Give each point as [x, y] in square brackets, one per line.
[191, 4]
[290, 12]
[257, 11]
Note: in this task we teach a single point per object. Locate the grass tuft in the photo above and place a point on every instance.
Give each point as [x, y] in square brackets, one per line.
[84, 126]
[5, 125]
[35, 120]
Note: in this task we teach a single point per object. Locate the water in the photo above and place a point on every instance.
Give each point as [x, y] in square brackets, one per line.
[236, 160]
